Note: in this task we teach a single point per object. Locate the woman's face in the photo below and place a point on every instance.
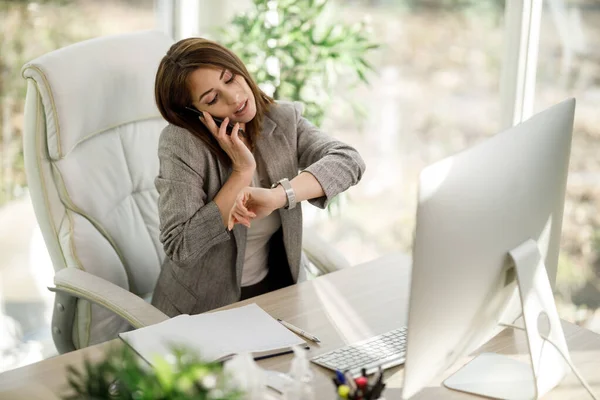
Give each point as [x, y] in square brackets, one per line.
[222, 94]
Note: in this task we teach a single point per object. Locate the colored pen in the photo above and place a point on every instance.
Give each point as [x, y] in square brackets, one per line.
[299, 331]
[378, 386]
[343, 391]
[340, 377]
[361, 382]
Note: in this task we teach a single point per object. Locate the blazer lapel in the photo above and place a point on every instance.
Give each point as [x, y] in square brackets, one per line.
[263, 147]
[275, 152]
[279, 156]
[239, 231]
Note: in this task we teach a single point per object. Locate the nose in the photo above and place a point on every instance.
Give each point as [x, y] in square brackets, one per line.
[233, 97]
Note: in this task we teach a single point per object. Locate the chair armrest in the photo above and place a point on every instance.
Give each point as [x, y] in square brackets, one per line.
[86, 286]
[324, 256]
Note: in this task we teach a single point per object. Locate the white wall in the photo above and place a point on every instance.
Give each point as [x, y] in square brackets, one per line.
[186, 18]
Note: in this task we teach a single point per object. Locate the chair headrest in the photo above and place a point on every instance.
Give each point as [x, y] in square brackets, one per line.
[95, 85]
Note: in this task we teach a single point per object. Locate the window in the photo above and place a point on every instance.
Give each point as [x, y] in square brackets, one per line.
[435, 92]
[569, 66]
[30, 29]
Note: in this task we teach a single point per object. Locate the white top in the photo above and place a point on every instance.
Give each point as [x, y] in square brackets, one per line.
[257, 239]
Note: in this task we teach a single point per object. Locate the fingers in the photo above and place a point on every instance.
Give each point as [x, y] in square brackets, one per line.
[223, 128]
[243, 201]
[239, 213]
[210, 123]
[239, 202]
[234, 133]
[241, 219]
[220, 132]
[232, 222]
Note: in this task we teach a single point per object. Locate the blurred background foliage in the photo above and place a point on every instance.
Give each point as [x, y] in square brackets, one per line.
[20, 20]
[296, 51]
[437, 60]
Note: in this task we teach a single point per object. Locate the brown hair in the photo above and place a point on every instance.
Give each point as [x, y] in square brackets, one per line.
[172, 93]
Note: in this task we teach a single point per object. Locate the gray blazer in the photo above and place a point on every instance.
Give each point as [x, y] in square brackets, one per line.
[203, 267]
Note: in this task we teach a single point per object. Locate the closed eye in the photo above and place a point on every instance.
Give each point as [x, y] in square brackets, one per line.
[216, 98]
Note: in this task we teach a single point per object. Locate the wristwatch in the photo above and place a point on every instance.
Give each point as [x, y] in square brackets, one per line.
[289, 192]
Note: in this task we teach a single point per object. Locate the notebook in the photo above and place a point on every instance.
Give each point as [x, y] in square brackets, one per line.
[215, 336]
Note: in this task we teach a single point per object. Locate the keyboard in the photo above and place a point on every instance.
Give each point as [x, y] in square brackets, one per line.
[386, 351]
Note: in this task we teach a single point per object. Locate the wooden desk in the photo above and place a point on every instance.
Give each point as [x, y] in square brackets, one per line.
[339, 308]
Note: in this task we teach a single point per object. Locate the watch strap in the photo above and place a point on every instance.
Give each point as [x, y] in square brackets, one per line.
[289, 192]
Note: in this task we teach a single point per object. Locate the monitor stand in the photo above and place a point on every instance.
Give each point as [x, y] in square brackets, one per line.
[502, 377]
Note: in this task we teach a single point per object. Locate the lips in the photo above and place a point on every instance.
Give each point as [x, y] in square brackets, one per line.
[241, 108]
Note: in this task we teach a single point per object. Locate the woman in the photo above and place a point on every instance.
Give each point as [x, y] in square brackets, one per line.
[229, 222]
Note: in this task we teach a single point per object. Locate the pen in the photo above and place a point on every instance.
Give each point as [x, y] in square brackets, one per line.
[340, 377]
[299, 331]
[343, 391]
[378, 386]
[361, 382]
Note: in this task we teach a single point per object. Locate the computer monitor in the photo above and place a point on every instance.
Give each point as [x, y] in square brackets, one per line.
[488, 221]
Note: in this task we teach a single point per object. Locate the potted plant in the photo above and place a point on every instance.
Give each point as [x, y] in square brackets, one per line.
[122, 375]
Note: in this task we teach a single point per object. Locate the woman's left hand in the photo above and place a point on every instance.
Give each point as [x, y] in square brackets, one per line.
[253, 203]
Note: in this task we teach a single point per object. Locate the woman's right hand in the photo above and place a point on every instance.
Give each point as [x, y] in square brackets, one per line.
[241, 157]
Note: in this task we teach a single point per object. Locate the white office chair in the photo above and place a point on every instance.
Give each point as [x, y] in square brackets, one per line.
[90, 142]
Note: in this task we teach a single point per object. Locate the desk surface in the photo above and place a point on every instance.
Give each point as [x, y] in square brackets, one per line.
[340, 308]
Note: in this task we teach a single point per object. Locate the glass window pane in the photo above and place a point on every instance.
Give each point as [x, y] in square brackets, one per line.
[569, 66]
[30, 29]
[435, 91]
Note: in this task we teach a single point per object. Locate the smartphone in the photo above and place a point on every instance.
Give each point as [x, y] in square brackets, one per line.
[217, 120]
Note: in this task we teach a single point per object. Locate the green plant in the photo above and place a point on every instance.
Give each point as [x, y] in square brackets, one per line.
[123, 376]
[294, 53]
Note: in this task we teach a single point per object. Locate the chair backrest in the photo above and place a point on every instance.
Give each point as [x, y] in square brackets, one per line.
[91, 137]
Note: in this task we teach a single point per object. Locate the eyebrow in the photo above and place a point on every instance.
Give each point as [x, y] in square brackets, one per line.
[211, 89]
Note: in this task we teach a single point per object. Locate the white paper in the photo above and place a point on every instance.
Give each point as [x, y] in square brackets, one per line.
[214, 335]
